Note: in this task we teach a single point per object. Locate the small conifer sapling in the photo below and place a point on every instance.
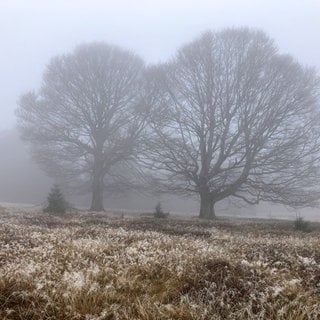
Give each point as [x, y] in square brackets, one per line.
[159, 213]
[56, 201]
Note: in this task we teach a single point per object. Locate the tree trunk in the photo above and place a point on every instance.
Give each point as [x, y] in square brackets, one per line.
[206, 207]
[97, 197]
[97, 186]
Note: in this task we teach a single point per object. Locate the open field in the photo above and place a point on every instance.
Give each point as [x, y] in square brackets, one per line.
[99, 266]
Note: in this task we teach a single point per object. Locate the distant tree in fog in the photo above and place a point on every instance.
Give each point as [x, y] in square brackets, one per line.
[86, 119]
[234, 118]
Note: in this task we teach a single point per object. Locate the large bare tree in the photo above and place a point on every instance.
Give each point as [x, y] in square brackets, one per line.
[234, 118]
[84, 122]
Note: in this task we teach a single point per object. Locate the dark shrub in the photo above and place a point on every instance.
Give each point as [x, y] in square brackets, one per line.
[56, 201]
[159, 213]
[301, 225]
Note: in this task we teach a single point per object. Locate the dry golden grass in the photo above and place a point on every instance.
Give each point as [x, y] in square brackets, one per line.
[91, 266]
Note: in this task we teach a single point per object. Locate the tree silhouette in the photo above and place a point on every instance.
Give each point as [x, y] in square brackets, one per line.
[234, 118]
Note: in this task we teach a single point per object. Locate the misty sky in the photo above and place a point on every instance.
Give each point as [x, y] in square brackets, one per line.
[32, 31]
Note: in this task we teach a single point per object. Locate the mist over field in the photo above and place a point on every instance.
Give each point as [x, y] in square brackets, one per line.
[22, 182]
[33, 32]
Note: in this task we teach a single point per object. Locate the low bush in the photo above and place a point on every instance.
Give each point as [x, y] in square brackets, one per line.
[301, 225]
[56, 202]
[159, 213]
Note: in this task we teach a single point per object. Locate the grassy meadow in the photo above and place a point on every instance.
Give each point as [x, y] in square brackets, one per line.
[105, 267]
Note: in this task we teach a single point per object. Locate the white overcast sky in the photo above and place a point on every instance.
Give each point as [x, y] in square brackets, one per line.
[32, 31]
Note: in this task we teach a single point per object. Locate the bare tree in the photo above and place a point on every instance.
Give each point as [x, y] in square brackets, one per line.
[234, 118]
[85, 120]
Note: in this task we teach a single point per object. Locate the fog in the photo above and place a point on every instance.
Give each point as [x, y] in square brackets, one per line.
[21, 181]
[34, 31]
[20, 178]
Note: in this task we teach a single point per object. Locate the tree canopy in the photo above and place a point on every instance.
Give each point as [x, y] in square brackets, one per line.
[235, 118]
[86, 118]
